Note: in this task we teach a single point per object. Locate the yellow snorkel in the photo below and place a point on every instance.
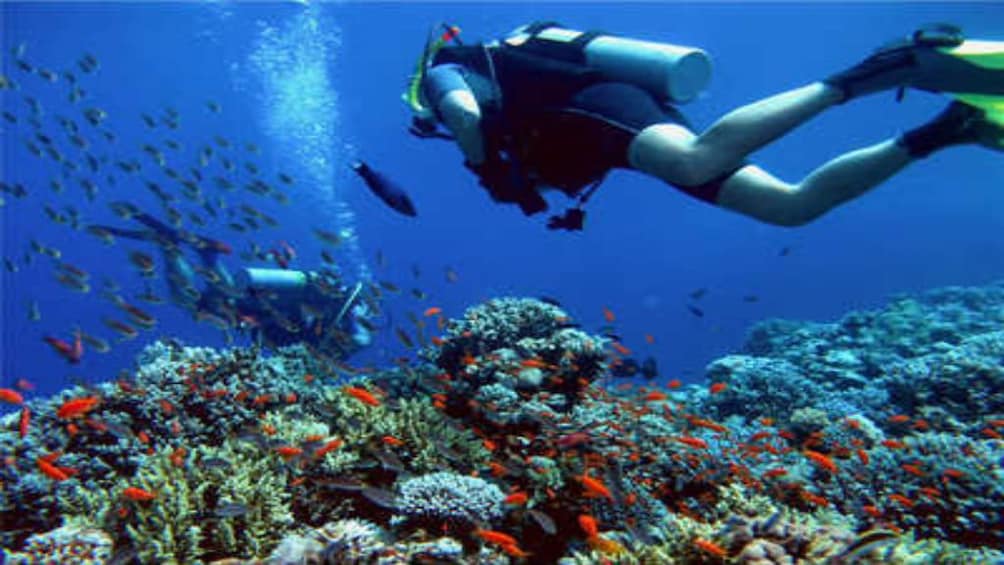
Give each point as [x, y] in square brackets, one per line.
[413, 96]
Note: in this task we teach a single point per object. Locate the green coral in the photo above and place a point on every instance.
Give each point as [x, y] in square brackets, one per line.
[180, 525]
[422, 428]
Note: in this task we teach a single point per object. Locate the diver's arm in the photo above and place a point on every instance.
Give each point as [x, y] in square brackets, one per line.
[458, 109]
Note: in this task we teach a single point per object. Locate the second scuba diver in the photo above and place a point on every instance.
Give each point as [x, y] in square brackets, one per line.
[548, 107]
[278, 307]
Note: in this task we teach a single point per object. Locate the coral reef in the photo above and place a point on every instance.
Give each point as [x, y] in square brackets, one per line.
[871, 440]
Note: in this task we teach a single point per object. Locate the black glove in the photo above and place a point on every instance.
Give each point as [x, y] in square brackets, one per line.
[506, 184]
[571, 220]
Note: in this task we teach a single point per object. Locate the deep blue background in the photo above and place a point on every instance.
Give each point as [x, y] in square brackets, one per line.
[646, 246]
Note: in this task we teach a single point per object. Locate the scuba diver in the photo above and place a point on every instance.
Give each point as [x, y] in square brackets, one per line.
[552, 108]
[278, 307]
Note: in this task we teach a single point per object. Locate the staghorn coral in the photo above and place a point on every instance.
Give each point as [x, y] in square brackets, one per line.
[183, 524]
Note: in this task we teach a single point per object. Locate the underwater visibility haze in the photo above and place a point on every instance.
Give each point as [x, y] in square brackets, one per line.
[248, 317]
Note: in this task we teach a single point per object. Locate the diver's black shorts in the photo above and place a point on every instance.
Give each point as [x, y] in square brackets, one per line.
[581, 142]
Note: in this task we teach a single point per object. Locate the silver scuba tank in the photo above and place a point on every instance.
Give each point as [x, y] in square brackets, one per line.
[284, 285]
[676, 72]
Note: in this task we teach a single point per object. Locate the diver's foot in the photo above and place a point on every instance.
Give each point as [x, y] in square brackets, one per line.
[908, 63]
[958, 124]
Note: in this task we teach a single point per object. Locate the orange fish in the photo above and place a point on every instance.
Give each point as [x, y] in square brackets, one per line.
[518, 498]
[899, 419]
[25, 420]
[513, 550]
[327, 448]
[362, 395]
[893, 444]
[76, 407]
[288, 451]
[595, 487]
[654, 396]
[433, 311]
[710, 547]
[588, 525]
[392, 441]
[675, 383]
[621, 348]
[649, 339]
[695, 442]
[901, 499]
[608, 315]
[822, 461]
[11, 396]
[72, 353]
[50, 470]
[138, 494]
[496, 538]
[715, 388]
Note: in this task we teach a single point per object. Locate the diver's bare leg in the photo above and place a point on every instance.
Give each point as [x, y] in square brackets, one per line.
[670, 151]
[755, 193]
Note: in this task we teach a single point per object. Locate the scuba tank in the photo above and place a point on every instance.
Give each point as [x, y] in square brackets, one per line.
[666, 71]
[284, 285]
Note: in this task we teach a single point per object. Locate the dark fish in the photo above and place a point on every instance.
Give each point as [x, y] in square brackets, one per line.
[649, 369]
[549, 300]
[95, 343]
[148, 120]
[389, 461]
[9, 117]
[230, 510]
[419, 294]
[34, 314]
[389, 286]
[48, 75]
[214, 463]
[695, 310]
[385, 189]
[214, 106]
[784, 252]
[340, 483]
[328, 237]
[404, 338]
[451, 275]
[699, 293]
[381, 497]
[751, 298]
[286, 179]
[545, 522]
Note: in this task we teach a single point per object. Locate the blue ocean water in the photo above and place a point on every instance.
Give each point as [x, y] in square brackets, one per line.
[315, 86]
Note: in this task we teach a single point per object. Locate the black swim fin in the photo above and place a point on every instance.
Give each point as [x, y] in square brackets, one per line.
[385, 189]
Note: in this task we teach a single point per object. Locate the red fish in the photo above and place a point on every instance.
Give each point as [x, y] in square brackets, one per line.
[496, 537]
[595, 487]
[717, 387]
[588, 525]
[11, 396]
[72, 353]
[25, 421]
[518, 498]
[51, 470]
[821, 461]
[362, 395]
[76, 407]
[138, 494]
